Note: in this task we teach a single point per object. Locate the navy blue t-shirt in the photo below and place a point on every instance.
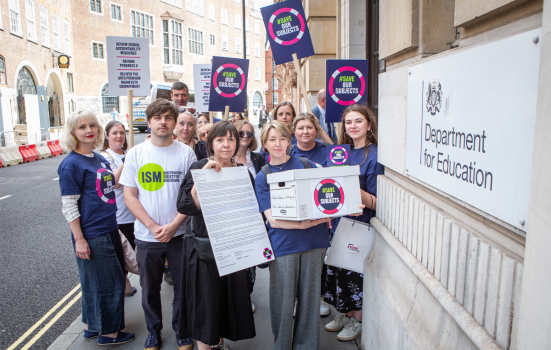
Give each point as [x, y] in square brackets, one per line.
[284, 241]
[318, 154]
[93, 180]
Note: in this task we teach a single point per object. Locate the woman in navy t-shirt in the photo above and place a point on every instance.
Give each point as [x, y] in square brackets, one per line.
[307, 129]
[344, 288]
[299, 248]
[89, 205]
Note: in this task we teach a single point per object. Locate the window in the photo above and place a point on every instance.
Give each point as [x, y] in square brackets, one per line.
[15, 17]
[44, 28]
[276, 98]
[196, 6]
[195, 41]
[237, 21]
[257, 73]
[256, 26]
[224, 17]
[225, 42]
[212, 40]
[97, 50]
[116, 12]
[55, 30]
[275, 84]
[257, 49]
[237, 45]
[31, 20]
[67, 36]
[239, 1]
[212, 12]
[1, 17]
[177, 3]
[95, 6]
[108, 102]
[172, 42]
[247, 51]
[2, 71]
[142, 26]
[247, 24]
[70, 82]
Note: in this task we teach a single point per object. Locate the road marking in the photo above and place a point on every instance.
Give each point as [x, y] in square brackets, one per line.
[57, 178]
[35, 326]
[5, 197]
[52, 321]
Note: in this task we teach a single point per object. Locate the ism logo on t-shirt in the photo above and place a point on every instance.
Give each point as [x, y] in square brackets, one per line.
[151, 176]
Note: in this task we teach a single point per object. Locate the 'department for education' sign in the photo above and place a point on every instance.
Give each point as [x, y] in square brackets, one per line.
[470, 125]
[128, 65]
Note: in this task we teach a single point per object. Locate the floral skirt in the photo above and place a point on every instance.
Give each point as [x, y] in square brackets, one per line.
[344, 289]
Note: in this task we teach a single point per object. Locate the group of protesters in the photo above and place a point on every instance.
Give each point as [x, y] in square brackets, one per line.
[137, 211]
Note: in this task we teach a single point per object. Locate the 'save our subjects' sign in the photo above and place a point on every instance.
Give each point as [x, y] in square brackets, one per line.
[228, 84]
[346, 82]
[128, 65]
[470, 125]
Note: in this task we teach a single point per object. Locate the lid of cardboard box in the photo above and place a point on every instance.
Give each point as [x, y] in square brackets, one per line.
[304, 174]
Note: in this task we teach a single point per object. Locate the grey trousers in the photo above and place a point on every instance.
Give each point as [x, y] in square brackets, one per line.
[296, 276]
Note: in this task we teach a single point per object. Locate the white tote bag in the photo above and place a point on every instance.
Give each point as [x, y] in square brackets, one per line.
[350, 245]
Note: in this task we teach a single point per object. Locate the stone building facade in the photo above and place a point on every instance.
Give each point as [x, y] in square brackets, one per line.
[273, 95]
[34, 33]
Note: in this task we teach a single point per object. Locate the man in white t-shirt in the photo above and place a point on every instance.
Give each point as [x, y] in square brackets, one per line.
[151, 177]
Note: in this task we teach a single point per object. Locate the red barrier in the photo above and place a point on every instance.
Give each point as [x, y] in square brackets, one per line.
[28, 153]
[55, 148]
[0, 163]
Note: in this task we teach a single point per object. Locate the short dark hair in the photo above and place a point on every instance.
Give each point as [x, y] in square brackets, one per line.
[179, 86]
[221, 129]
[108, 127]
[161, 106]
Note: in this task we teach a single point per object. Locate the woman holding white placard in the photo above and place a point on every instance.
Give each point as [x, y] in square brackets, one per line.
[344, 288]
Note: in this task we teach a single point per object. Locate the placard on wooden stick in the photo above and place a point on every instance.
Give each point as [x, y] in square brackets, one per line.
[228, 84]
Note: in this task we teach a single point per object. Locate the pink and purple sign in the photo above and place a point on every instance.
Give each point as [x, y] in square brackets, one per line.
[228, 84]
[338, 155]
[346, 85]
[287, 30]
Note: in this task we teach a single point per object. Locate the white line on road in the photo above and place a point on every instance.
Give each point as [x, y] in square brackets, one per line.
[57, 178]
[5, 197]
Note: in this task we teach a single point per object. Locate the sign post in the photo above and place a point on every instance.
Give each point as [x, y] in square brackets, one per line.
[211, 117]
[128, 71]
[302, 83]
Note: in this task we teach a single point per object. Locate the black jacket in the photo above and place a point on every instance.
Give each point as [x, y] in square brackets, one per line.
[258, 161]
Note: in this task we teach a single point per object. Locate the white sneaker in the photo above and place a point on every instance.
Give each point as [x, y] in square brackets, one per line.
[338, 323]
[324, 309]
[352, 329]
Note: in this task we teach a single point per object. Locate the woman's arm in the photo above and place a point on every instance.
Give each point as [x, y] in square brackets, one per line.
[293, 225]
[117, 174]
[369, 200]
[82, 249]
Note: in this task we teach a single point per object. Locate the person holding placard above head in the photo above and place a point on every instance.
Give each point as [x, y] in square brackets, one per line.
[307, 129]
[212, 307]
[89, 204]
[344, 288]
[299, 247]
[186, 128]
[151, 177]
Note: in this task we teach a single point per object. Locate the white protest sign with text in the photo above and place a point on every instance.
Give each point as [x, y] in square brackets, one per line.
[201, 81]
[128, 65]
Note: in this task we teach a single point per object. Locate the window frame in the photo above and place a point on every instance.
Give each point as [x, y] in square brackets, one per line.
[247, 24]
[222, 12]
[190, 41]
[58, 48]
[238, 45]
[1, 27]
[256, 49]
[31, 12]
[212, 39]
[16, 11]
[47, 27]
[257, 73]
[151, 28]
[227, 48]
[67, 36]
[247, 48]
[95, 5]
[114, 4]
[237, 18]
[257, 27]
[275, 98]
[3, 72]
[171, 49]
[103, 48]
[213, 12]
[275, 83]
[70, 83]
[110, 106]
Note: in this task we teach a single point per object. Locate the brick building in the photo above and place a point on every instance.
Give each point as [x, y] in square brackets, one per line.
[34, 33]
[273, 95]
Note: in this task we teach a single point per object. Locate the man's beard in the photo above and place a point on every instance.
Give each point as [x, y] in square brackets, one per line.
[161, 136]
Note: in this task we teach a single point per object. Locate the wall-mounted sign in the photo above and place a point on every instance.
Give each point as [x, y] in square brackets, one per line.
[228, 84]
[63, 61]
[470, 125]
[287, 30]
[128, 65]
[346, 84]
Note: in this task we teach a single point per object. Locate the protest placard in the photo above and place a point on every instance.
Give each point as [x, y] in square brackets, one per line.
[338, 155]
[201, 81]
[346, 84]
[228, 84]
[128, 65]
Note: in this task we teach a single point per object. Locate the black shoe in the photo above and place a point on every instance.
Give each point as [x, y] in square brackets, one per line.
[168, 276]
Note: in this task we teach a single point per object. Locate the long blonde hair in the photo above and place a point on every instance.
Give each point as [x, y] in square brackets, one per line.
[68, 140]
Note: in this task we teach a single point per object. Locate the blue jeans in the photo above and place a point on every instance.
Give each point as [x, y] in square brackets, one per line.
[102, 284]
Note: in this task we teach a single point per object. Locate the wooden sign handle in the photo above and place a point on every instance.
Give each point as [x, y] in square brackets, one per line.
[227, 113]
[211, 117]
[130, 119]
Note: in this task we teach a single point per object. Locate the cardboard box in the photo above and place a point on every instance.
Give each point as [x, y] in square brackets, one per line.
[308, 194]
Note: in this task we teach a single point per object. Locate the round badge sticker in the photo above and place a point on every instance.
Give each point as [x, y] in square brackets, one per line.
[338, 155]
[346, 86]
[329, 196]
[105, 185]
[229, 80]
[267, 253]
[151, 177]
[283, 27]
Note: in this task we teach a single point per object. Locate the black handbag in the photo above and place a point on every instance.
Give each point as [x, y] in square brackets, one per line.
[202, 246]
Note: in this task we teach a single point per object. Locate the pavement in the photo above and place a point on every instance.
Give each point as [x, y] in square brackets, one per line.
[72, 338]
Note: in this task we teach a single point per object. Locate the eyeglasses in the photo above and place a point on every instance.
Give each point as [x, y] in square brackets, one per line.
[249, 134]
[203, 134]
[184, 109]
